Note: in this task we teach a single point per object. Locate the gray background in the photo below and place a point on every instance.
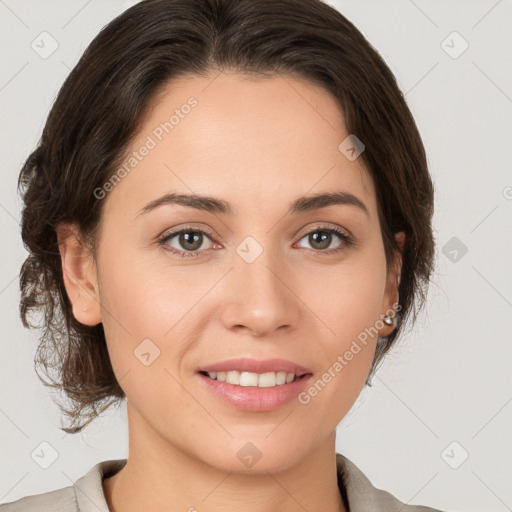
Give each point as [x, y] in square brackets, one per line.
[445, 391]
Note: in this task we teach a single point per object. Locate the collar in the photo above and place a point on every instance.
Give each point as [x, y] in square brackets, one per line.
[357, 491]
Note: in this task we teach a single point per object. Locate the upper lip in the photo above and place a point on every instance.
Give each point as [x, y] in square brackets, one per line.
[245, 364]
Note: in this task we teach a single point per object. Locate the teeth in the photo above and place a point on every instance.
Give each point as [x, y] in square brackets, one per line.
[261, 380]
[233, 377]
[244, 379]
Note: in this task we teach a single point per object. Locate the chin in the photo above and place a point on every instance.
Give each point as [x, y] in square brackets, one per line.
[253, 455]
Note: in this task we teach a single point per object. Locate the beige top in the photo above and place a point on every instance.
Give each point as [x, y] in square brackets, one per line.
[86, 495]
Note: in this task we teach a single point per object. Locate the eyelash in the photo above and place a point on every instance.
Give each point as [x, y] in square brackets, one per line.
[346, 239]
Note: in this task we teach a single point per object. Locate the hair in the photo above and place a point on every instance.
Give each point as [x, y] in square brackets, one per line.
[102, 104]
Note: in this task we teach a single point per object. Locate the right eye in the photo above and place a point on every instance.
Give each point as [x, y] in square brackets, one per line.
[190, 240]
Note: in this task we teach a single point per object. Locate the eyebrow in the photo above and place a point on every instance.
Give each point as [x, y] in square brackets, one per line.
[215, 205]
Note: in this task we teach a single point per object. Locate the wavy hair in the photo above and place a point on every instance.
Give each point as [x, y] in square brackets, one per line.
[102, 104]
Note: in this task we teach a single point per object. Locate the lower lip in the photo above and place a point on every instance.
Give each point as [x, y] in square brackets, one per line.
[253, 398]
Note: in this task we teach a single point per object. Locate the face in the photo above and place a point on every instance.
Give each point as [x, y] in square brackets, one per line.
[252, 278]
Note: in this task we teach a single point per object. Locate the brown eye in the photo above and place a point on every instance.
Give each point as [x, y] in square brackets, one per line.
[188, 242]
[321, 238]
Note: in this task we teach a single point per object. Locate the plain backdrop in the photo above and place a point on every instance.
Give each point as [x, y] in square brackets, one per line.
[435, 427]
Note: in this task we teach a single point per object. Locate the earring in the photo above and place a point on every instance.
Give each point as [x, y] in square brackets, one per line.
[388, 320]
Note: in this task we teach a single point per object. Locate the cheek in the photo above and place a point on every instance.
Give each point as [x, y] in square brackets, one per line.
[136, 306]
[349, 308]
[142, 307]
[148, 299]
[348, 304]
[346, 300]
[137, 288]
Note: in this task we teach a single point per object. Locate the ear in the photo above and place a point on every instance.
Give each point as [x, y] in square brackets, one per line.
[393, 280]
[79, 274]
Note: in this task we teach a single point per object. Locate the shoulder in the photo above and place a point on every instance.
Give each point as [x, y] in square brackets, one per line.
[59, 500]
[363, 496]
[87, 491]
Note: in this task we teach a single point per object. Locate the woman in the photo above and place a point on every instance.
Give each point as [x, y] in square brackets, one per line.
[229, 223]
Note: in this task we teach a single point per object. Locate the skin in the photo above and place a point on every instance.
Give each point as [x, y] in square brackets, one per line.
[258, 144]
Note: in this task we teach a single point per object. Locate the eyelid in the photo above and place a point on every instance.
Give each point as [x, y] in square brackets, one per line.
[323, 225]
[343, 234]
[185, 227]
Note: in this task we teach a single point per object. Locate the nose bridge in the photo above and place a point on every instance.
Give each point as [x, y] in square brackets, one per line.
[260, 297]
[261, 270]
[258, 265]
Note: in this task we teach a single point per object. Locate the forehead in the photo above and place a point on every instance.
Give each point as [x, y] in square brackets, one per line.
[250, 140]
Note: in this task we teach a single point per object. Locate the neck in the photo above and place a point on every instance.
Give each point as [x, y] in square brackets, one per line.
[159, 476]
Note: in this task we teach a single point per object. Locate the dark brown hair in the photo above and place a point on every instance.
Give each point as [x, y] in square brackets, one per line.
[102, 104]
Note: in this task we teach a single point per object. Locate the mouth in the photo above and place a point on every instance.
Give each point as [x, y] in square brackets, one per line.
[254, 392]
[255, 385]
[251, 379]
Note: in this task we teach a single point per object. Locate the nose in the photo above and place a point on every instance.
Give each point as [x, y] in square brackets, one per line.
[261, 298]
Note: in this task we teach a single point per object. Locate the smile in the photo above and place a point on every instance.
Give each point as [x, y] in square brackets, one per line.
[254, 392]
[261, 380]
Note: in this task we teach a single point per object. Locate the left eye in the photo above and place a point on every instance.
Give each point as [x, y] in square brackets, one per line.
[323, 238]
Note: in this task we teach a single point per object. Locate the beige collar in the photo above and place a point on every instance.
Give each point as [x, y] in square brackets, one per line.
[361, 495]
